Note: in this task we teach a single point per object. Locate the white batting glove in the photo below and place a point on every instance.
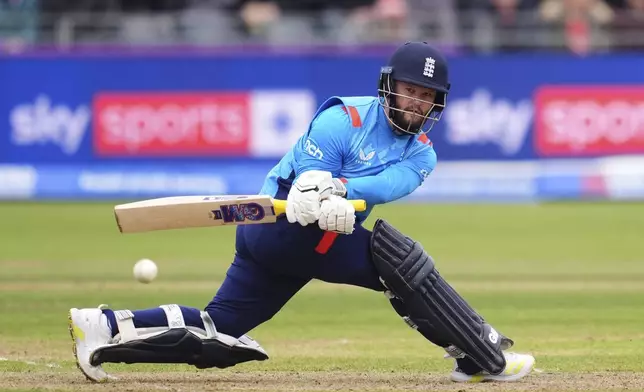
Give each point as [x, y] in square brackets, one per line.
[306, 194]
[303, 201]
[302, 207]
[337, 214]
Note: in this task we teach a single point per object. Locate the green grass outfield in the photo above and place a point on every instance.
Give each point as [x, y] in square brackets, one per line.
[566, 281]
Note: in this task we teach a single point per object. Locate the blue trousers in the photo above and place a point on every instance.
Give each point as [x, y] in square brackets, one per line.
[272, 263]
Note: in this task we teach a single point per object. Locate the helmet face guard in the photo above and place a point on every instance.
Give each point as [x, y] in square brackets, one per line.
[422, 65]
[387, 95]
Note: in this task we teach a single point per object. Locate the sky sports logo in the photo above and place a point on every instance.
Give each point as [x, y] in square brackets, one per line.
[171, 124]
[261, 123]
[589, 120]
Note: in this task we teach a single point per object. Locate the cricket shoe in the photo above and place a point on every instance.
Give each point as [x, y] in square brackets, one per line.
[89, 330]
[517, 366]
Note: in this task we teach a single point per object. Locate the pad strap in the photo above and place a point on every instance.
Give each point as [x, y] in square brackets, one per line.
[125, 323]
[174, 316]
[209, 325]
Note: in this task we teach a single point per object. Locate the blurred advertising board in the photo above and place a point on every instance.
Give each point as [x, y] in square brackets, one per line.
[171, 125]
[256, 123]
[109, 108]
[153, 126]
[468, 181]
[578, 121]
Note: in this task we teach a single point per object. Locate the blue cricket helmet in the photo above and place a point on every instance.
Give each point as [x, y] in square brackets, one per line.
[420, 64]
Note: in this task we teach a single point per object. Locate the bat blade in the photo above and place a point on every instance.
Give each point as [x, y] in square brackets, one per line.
[180, 212]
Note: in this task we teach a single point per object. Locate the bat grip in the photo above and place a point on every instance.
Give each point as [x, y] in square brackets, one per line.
[280, 205]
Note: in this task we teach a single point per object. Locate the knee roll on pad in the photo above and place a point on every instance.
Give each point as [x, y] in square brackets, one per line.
[430, 304]
[202, 348]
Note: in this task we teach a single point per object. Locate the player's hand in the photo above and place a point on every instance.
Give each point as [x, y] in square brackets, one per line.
[307, 193]
[303, 201]
[302, 206]
[337, 214]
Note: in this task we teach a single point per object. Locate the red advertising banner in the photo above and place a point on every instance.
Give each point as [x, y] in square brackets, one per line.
[589, 120]
[171, 124]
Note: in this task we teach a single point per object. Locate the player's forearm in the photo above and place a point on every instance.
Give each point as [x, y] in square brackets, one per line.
[380, 189]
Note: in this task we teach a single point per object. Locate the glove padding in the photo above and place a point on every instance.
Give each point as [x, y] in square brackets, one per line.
[304, 199]
[337, 214]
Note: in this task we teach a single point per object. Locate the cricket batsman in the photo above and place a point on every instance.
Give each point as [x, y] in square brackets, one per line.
[371, 148]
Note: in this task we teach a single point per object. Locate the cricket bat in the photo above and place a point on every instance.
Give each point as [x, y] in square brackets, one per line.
[182, 212]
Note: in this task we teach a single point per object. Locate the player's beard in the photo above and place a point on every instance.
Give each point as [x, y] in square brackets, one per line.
[404, 122]
[410, 120]
[415, 120]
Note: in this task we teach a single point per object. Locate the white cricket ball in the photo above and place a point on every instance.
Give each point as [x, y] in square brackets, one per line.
[145, 270]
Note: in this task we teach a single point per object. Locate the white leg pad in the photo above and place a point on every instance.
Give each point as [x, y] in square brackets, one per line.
[240, 350]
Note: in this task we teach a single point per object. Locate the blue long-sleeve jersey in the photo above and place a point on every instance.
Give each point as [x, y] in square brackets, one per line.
[351, 138]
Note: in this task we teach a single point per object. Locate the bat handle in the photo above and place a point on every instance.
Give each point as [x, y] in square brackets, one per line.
[280, 205]
[359, 205]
